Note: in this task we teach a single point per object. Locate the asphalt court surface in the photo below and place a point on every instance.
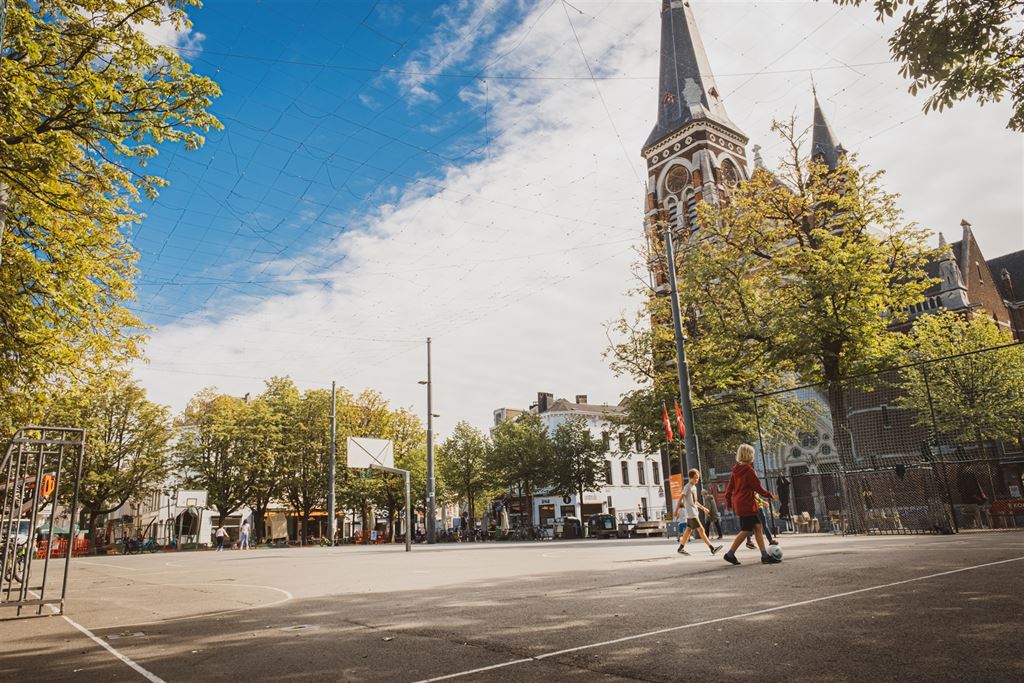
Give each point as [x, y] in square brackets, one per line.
[836, 609]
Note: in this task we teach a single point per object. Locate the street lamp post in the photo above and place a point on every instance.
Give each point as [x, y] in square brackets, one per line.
[682, 369]
[430, 452]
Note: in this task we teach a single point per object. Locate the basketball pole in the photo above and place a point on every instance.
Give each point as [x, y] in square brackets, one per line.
[333, 522]
[408, 500]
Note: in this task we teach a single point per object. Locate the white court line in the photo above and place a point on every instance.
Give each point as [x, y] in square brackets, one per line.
[698, 624]
[287, 596]
[145, 673]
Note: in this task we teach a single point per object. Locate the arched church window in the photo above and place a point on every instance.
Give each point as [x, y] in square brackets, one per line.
[730, 177]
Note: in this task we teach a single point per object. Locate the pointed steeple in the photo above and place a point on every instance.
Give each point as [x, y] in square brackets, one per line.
[686, 86]
[825, 148]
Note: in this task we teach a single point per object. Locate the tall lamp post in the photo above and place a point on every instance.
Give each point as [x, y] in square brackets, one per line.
[430, 452]
[682, 369]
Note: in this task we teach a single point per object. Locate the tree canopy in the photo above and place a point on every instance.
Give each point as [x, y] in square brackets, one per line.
[85, 103]
[463, 464]
[127, 440]
[968, 393]
[959, 49]
[579, 461]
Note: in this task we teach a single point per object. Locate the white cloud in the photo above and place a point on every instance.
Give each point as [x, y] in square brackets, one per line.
[515, 262]
[171, 32]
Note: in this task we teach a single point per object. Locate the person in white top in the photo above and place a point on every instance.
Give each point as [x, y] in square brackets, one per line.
[243, 536]
[688, 503]
[221, 535]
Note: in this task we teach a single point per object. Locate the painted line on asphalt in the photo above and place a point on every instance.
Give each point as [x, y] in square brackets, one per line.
[287, 596]
[145, 673]
[698, 624]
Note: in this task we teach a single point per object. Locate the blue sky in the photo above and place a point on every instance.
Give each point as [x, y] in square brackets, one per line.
[306, 149]
[348, 212]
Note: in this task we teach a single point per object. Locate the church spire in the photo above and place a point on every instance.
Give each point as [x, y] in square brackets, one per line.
[825, 148]
[686, 86]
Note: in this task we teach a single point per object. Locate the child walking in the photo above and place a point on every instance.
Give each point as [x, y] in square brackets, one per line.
[740, 495]
[688, 502]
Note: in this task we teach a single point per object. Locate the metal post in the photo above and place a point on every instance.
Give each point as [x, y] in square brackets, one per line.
[430, 453]
[332, 525]
[682, 369]
[764, 463]
[408, 514]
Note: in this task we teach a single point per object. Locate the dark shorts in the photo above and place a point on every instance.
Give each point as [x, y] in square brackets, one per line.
[693, 523]
[748, 522]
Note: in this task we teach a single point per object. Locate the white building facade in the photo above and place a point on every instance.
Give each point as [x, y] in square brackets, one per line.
[633, 483]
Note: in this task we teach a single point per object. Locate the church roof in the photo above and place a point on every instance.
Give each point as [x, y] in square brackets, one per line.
[1014, 265]
[686, 86]
[566, 406]
[824, 145]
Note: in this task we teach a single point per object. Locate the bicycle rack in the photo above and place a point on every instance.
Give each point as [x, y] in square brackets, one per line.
[39, 477]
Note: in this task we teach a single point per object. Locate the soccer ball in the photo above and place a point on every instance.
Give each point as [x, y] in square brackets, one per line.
[775, 551]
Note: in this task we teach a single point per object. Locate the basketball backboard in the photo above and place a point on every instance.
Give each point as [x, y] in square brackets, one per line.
[363, 452]
[190, 498]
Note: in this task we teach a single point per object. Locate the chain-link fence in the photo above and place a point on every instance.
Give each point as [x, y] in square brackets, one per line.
[932, 447]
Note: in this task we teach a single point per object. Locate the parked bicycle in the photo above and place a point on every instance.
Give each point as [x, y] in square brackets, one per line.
[16, 560]
[133, 546]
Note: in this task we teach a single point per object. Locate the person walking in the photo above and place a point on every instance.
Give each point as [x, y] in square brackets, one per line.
[739, 496]
[243, 536]
[221, 535]
[711, 516]
[762, 505]
[688, 503]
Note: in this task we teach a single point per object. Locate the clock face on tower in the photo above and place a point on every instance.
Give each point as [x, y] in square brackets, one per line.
[729, 175]
[677, 179]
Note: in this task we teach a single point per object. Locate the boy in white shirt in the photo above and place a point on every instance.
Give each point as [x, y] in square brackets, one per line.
[688, 503]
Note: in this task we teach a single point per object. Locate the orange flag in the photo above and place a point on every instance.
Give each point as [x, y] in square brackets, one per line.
[668, 425]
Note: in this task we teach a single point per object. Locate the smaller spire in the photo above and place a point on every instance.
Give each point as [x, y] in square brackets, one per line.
[942, 240]
[825, 148]
[758, 160]
[965, 225]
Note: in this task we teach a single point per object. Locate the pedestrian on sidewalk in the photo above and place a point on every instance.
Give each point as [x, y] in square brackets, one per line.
[739, 495]
[243, 536]
[711, 516]
[221, 535]
[688, 503]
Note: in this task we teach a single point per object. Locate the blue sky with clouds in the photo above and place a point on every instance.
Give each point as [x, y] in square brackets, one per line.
[393, 170]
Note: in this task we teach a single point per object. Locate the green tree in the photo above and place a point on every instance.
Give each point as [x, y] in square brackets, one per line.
[262, 445]
[522, 457]
[971, 395]
[210, 451]
[86, 100]
[365, 415]
[462, 462]
[127, 441]
[578, 459]
[409, 439]
[959, 49]
[807, 266]
[306, 460]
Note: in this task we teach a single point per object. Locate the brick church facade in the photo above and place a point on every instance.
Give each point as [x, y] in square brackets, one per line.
[696, 152]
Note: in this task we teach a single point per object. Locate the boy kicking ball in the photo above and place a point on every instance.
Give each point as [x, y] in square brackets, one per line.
[741, 495]
[688, 502]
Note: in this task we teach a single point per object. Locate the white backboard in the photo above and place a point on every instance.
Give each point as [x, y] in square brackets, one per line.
[364, 452]
[188, 498]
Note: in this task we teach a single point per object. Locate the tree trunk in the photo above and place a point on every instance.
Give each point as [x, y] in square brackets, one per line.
[259, 515]
[93, 516]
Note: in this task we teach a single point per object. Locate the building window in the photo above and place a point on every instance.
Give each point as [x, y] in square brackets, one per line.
[625, 473]
[623, 443]
[639, 443]
[606, 439]
[655, 473]
[608, 472]
[641, 475]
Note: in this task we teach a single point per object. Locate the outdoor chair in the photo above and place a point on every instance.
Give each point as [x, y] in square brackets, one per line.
[800, 523]
[810, 523]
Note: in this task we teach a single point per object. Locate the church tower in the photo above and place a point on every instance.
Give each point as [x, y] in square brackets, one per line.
[695, 152]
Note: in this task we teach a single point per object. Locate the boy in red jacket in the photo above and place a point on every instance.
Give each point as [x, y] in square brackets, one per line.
[739, 495]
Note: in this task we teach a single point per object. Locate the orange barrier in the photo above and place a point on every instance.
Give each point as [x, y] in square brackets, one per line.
[79, 548]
